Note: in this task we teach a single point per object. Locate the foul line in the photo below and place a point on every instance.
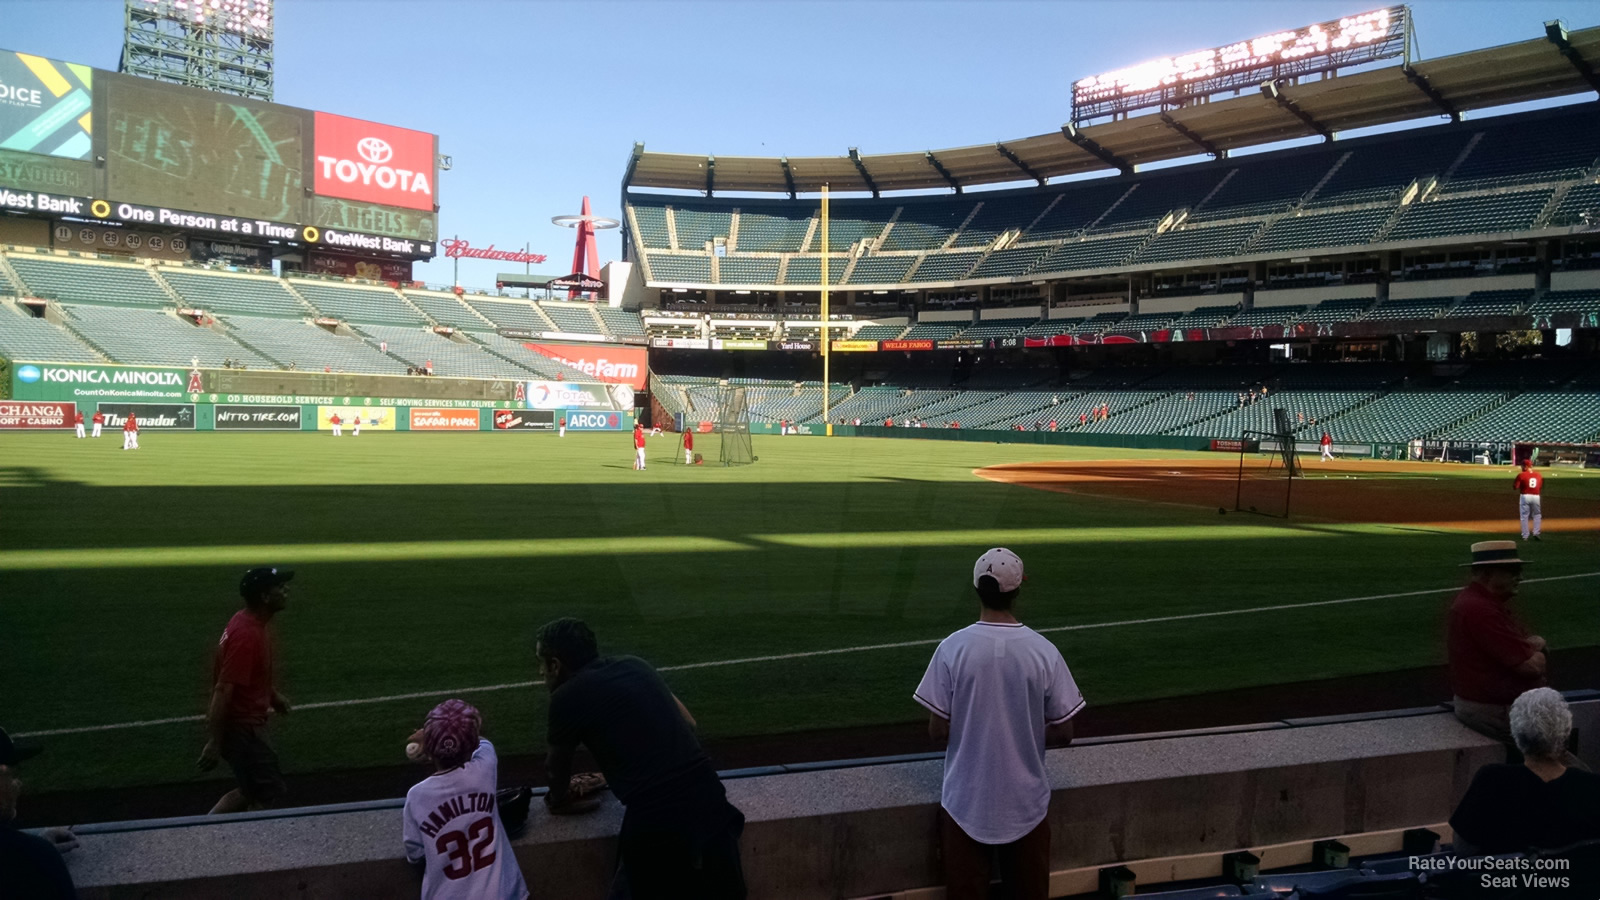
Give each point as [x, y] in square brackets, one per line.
[804, 654]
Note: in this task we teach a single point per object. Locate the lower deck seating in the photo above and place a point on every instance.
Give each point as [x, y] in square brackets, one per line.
[1535, 416]
[1409, 415]
[1316, 406]
[420, 346]
[22, 336]
[156, 337]
[309, 347]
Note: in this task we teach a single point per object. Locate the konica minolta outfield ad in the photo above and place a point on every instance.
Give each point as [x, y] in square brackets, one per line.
[79, 382]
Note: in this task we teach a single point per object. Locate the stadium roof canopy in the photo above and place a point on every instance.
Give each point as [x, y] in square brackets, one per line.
[1557, 65]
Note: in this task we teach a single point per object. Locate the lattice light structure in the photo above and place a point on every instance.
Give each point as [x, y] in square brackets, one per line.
[218, 45]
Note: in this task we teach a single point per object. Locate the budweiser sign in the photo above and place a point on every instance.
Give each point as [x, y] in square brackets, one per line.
[459, 249]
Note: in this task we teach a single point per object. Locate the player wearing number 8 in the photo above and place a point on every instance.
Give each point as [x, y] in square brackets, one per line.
[1529, 485]
[452, 826]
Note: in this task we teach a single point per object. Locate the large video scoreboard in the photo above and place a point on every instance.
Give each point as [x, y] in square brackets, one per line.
[86, 144]
[1173, 81]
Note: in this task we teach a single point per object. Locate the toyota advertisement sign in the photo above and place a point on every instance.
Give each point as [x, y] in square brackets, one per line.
[360, 160]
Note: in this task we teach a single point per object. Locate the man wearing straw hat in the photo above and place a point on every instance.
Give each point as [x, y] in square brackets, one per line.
[1493, 658]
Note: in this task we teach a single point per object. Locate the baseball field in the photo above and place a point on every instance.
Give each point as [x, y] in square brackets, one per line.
[804, 592]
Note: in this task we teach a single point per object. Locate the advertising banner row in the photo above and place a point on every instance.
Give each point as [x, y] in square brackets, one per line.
[37, 415]
[731, 344]
[85, 383]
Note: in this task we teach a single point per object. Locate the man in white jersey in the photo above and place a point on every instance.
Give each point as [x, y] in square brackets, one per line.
[452, 826]
[999, 693]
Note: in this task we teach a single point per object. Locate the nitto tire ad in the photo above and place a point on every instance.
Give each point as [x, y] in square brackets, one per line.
[257, 418]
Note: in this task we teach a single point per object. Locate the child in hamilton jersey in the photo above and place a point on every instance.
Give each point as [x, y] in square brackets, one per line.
[452, 826]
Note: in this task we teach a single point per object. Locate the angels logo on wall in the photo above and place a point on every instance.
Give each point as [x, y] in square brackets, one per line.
[195, 384]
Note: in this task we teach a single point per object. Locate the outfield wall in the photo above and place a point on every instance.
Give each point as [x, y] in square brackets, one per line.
[868, 828]
[265, 417]
[166, 398]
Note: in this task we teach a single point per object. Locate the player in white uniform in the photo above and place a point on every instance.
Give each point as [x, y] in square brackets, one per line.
[452, 826]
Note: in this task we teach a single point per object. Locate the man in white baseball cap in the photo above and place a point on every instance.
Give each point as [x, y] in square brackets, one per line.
[999, 693]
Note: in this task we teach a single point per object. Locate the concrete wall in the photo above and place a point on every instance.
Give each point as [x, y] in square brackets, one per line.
[1585, 280]
[1460, 287]
[1012, 312]
[945, 315]
[1312, 295]
[816, 832]
[1084, 312]
[1184, 304]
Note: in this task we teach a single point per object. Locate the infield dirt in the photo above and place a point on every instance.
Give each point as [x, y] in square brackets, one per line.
[1420, 495]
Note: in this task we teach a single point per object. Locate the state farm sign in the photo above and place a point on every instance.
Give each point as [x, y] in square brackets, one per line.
[602, 362]
[360, 160]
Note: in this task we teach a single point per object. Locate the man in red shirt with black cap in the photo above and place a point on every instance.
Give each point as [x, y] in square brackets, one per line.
[130, 433]
[638, 445]
[244, 693]
[77, 423]
[99, 419]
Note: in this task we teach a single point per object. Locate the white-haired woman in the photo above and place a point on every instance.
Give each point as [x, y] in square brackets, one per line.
[1544, 802]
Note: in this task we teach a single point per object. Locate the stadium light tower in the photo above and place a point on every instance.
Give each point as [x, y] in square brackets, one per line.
[219, 45]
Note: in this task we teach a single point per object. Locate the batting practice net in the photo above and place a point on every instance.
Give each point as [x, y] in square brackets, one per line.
[723, 435]
[1267, 469]
[733, 426]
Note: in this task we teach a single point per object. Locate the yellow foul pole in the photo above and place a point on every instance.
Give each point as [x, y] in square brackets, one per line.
[826, 393]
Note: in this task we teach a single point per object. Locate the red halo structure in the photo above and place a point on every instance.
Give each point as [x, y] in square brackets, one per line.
[585, 255]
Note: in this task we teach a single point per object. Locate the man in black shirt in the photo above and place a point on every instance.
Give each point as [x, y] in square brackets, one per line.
[680, 835]
[30, 866]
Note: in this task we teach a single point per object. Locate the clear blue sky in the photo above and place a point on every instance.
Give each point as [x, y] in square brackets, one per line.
[540, 103]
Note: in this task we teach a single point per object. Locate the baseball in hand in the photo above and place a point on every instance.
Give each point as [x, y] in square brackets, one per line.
[414, 752]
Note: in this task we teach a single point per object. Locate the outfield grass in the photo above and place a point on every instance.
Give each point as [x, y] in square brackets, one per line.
[426, 562]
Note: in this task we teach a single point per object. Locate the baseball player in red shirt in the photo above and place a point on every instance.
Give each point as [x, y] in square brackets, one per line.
[1327, 446]
[77, 423]
[130, 433]
[638, 445]
[688, 446]
[1529, 484]
[563, 431]
[98, 419]
[337, 423]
